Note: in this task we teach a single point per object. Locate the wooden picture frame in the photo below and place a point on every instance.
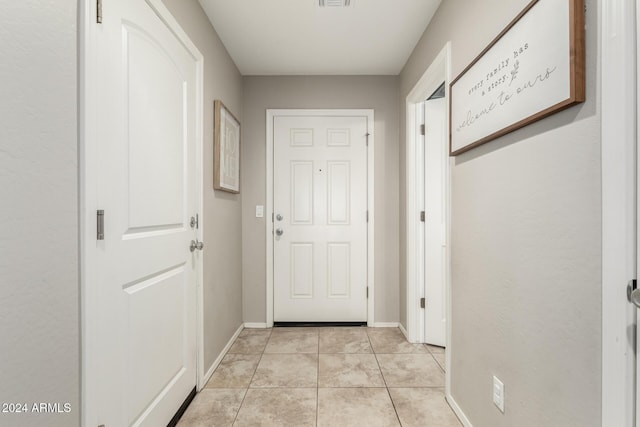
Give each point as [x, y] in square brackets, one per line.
[534, 68]
[226, 170]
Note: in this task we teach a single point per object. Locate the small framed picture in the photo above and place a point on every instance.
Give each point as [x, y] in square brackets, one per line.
[226, 170]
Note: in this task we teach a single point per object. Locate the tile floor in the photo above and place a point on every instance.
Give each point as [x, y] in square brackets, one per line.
[324, 377]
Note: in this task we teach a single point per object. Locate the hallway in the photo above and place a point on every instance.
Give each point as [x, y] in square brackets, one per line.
[325, 377]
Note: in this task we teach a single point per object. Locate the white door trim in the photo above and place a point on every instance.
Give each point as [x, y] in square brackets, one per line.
[438, 71]
[618, 58]
[271, 114]
[87, 54]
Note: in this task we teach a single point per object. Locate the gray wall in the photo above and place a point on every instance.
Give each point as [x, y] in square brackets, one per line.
[39, 279]
[526, 250]
[222, 210]
[378, 93]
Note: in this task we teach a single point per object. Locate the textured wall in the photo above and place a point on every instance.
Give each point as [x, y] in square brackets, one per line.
[39, 285]
[526, 250]
[222, 210]
[378, 93]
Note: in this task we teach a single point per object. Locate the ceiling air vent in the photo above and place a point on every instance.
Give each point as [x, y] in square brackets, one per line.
[334, 3]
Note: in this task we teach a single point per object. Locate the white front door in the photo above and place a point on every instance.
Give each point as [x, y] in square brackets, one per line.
[146, 273]
[435, 202]
[320, 218]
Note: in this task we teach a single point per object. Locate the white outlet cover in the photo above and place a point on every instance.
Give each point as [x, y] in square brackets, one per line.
[259, 211]
[498, 394]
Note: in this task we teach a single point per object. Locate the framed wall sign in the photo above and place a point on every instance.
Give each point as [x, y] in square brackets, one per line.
[226, 171]
[534, 68]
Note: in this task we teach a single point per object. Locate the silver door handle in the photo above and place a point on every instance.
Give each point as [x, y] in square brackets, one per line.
[633, 294]
[635, 297]
[195, 244]
[279, 232]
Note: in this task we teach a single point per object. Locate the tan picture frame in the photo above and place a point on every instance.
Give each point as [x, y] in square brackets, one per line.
[544, 46]
[227, 137]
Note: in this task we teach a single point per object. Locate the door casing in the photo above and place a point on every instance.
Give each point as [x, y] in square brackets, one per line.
[87, 30]
[369, 114]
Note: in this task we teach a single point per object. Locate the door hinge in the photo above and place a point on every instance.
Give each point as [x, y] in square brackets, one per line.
[367, 292]
[422, 129]
[100, 224]
[368, 138]
[423, 303]
[367, 216]
[422, 216]
[99, 11]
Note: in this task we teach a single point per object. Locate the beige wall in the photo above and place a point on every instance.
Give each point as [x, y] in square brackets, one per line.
[39, 279]
[378, 93]
[525, 244]
[222, 211]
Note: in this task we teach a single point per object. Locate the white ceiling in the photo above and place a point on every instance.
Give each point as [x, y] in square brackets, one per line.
[297, 37]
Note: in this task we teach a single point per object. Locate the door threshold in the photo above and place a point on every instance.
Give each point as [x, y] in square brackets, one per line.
[316, 324]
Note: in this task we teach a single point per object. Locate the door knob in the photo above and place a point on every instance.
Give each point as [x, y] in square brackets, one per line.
[635, 297]
[279, 232]
[633, 293]
[195, 244]
[279, 217]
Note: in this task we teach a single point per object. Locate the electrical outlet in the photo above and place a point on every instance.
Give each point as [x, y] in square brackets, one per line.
[259, 211]
[498, 393]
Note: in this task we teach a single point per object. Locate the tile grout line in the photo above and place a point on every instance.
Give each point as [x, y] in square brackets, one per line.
[246, 391]
[385, 381]
[318, 382]
[433, 355]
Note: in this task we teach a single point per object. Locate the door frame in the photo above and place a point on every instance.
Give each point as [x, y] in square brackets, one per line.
[87, 199]
[439, 71]
[270, 116]
[618, 58]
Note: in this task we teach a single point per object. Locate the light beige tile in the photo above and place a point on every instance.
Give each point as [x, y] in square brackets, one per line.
[344, 340]
[235, 371]
[435, 349]
[254, 331]
[250, 343]
[349, 370]
[293, 342]
[369, 407]
[213, 407]
[410, 370]
[423, 407]
[278, 407]
[441, 359]
[392, 341]
[286, 370]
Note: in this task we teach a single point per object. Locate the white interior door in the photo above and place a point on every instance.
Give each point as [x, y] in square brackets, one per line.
[320, 219]
[435, 202]
[146, 273]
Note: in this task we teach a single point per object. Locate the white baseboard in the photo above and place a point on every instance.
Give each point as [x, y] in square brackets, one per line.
[456, 408]
[253, 325]
[386, 324]
[223, 353]
[404, 331]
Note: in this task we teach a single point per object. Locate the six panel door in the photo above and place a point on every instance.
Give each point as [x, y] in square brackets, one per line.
[320, 218]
